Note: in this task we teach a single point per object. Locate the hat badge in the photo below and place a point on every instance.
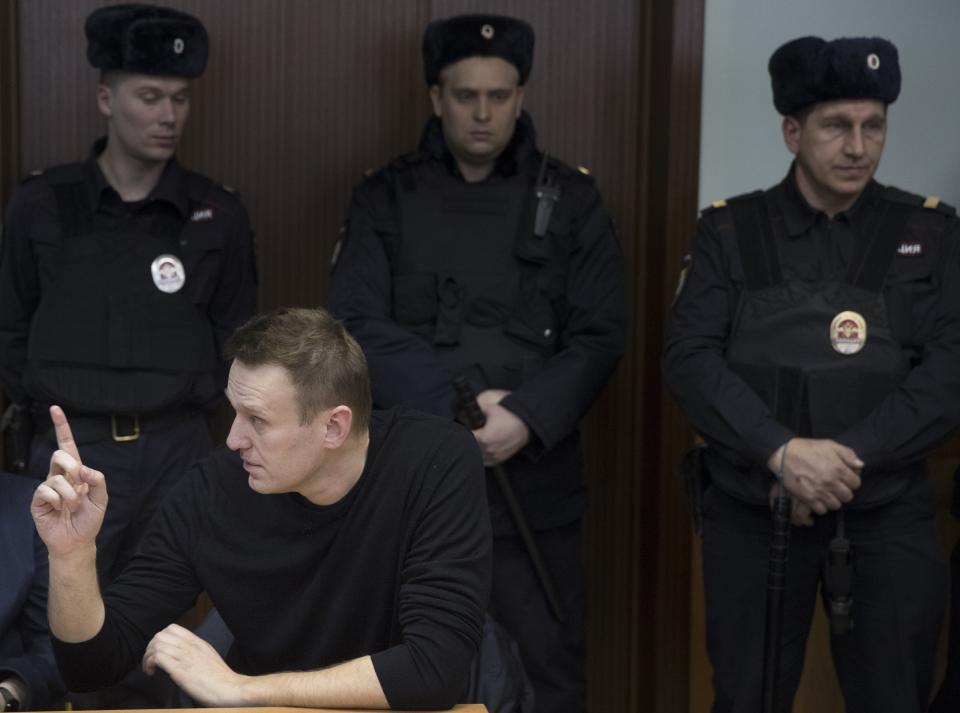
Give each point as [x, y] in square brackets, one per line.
[178, 46]
[487, 32]
[873, 61]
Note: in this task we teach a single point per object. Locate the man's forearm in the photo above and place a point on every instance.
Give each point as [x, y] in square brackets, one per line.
[353, 684]
[74, 605]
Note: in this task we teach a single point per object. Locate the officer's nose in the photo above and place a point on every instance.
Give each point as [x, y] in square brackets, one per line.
[482, 112]
[854, 143]
[169, 113]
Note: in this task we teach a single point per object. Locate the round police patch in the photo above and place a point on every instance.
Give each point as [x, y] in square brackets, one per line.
[168, 273]
[848, 332]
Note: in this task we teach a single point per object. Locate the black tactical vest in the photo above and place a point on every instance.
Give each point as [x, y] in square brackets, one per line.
[105, 338]
[474, 279]
[781, 346]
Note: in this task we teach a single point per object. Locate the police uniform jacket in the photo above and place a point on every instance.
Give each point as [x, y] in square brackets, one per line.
[101, 270]
[435, 276]
[917, 312]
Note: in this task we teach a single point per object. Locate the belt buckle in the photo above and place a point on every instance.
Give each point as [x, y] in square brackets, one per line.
[126, 437]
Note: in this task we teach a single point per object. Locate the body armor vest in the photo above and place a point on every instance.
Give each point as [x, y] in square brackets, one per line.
[105, 338]
[474, 279]
[782, 343]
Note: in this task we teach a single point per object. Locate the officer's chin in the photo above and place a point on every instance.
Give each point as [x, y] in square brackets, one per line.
[158, 154]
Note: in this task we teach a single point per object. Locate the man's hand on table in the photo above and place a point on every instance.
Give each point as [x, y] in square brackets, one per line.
[196, 667]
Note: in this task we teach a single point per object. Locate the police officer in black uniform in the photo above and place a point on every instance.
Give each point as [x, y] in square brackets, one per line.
[479, 255]
[120, 277]
[816, 341]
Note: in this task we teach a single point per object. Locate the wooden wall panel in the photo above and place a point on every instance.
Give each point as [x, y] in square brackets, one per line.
[301, 96]
[9, 97]
[676, 42]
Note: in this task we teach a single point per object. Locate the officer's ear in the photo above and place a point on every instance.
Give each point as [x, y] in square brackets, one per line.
[519, 100]
[105, 99]
[435, 100]
[792, 128]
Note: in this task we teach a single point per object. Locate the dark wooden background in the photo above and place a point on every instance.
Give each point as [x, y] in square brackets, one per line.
[301, 96]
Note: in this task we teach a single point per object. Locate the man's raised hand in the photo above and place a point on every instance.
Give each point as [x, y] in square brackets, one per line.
[68, 507]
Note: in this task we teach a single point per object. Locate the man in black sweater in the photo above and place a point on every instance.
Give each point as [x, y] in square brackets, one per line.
[347, 551]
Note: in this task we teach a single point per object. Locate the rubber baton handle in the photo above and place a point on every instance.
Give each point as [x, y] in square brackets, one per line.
[475, 419]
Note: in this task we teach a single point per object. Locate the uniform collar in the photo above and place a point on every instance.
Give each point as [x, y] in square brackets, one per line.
[799, 216]
[522, 146]
[171, 188]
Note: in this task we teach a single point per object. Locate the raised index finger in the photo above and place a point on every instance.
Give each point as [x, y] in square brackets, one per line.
[65, 440]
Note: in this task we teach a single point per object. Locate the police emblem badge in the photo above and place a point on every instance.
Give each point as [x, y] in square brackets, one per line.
[168, 274]
[848, 332]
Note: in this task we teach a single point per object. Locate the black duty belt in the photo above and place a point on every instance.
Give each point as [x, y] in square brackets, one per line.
[87, 427]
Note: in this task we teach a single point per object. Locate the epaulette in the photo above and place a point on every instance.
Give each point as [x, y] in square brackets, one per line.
[716, 205]
[573, 178]
[933, 203]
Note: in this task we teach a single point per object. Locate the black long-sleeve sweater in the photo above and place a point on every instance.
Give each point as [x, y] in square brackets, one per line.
[398, 569]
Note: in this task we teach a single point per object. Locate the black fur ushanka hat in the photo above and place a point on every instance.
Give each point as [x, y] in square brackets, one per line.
[455, 38]
[810, 70]
[146, 39]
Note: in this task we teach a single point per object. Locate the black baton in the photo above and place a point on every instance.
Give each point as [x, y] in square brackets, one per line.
[475, 420]
[776, 591]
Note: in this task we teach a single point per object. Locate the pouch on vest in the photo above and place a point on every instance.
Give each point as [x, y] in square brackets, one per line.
[493, 278]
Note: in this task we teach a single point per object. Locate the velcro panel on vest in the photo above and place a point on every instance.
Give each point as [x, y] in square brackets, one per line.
[753, 222]
[877, 245]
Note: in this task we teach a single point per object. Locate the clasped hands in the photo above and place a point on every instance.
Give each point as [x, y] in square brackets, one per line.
[820, 475]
